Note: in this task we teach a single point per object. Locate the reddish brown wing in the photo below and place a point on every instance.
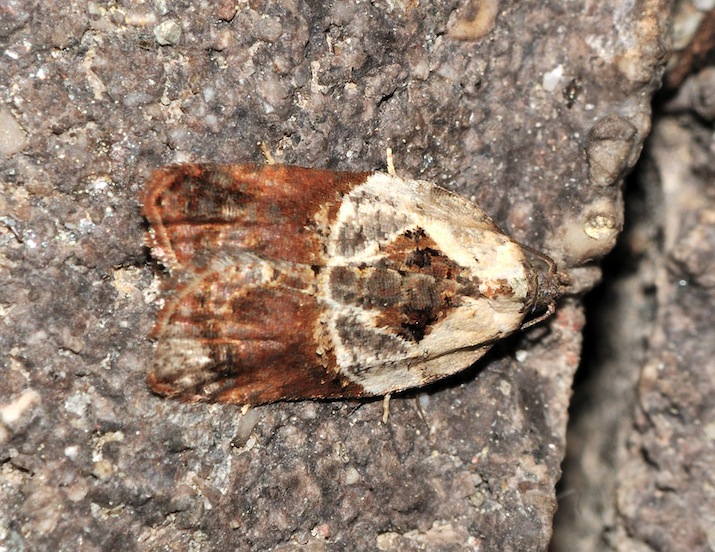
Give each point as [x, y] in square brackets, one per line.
[243, 332]
[198, 212]
[243, 244]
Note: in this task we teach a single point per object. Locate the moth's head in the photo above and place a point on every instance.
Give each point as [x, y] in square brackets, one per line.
[550, 285]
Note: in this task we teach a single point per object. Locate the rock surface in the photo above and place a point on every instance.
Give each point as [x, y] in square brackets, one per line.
[533, 110]
[639, 473]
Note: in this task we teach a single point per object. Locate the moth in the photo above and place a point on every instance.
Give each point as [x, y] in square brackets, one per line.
[290, 283]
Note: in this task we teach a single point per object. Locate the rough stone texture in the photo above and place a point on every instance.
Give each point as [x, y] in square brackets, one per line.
[536, 118]
[640, 473]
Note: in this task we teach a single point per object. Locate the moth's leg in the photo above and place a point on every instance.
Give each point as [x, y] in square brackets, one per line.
[390, 162]
[386, 408]
[266, 153]
[550, 309]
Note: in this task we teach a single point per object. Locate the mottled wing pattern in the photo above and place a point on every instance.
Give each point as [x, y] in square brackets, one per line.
[237, 333]
[199, 212]
[424, 283]
[240, 307]
[292, 283]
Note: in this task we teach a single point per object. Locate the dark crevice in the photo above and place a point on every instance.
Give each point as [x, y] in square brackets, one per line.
[619, 313]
